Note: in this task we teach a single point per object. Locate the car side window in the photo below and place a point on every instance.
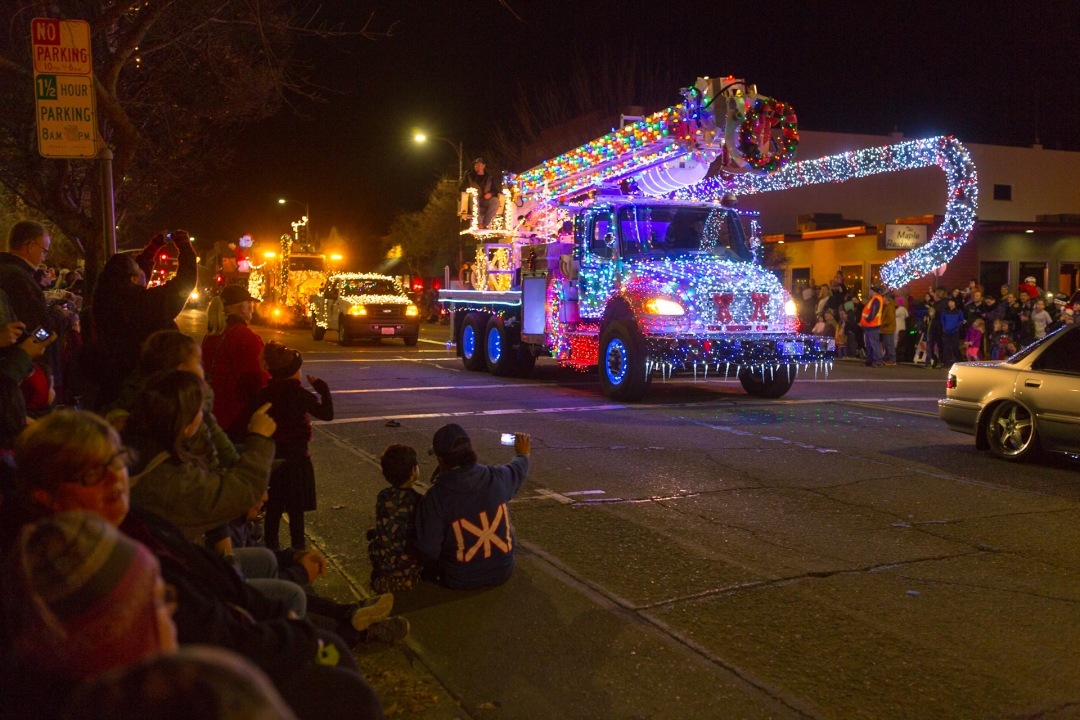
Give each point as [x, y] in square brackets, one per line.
[1063, 355]
[601, 242]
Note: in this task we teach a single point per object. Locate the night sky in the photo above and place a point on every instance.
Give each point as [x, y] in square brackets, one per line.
[989, 72]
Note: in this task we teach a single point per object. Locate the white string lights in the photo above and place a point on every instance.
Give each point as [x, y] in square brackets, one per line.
[945, 152]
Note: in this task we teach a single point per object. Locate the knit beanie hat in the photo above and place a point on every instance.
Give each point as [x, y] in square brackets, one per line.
[281, 362]
[95, 592]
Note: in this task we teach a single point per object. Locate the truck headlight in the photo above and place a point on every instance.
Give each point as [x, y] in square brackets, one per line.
[663, 306]
[412, 311]
[789, 308]
[358, 310]
[194, 295]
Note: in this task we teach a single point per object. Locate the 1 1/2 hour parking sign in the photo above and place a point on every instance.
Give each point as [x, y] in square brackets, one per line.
[64, 95]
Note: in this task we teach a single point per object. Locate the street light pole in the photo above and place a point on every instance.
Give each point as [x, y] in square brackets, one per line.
[459, 148]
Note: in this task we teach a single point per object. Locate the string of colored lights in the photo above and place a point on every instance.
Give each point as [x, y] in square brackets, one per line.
[944, 152]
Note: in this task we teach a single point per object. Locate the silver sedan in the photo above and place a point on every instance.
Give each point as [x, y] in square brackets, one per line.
[1016, 407]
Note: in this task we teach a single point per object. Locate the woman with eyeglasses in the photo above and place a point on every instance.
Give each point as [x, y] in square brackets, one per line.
[73, 460]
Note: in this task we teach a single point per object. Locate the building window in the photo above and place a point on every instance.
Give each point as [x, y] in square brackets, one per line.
[1003, 192]
[992, 275]
[853, 279]
[1036, 270]
[1069, 282]
[875, 274]
[800, 279]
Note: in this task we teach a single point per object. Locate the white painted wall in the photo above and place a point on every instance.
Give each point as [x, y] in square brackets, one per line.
[1044, 182]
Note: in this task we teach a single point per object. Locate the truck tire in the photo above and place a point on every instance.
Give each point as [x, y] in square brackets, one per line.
[621, 361]
[768, 383]
[343, 334]
[317, 332]
[499, 348]
[472, 342]
[411, 340]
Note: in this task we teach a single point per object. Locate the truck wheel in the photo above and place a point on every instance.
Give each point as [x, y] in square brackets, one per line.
[343, 334]
[621, 361]
[411, 341]
[502, 358]
[317, 332]
[766, 383]
[472, 342]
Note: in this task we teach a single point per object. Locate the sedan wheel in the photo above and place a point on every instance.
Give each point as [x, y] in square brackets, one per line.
[1011, 431]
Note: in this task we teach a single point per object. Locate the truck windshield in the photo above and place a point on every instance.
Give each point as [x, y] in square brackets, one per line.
[305, 263]
[670, 230]
[369, 287]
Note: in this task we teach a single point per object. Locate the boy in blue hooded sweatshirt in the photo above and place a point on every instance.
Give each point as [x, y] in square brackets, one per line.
[463, 522]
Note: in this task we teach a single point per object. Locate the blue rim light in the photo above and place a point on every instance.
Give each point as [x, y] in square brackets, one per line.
[494, 345]
[615, 367]
[468, 341]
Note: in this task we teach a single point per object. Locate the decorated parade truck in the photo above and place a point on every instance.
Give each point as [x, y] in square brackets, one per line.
[629, 255]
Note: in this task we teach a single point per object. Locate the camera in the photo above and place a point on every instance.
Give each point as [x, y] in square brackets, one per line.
[507, 439]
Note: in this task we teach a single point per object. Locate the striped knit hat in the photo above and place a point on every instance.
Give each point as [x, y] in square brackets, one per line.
[96, 593]
[74, 559]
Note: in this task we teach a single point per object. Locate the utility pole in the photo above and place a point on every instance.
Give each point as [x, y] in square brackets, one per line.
[108, 201]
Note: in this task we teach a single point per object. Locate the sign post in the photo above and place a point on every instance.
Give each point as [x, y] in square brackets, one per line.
[66, 103]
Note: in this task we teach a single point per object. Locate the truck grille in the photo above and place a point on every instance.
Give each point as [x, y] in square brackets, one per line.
[386, 312]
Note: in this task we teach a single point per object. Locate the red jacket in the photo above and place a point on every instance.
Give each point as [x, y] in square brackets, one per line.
[233, 362]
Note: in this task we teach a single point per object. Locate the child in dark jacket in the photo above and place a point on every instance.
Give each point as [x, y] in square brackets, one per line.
[395, 561]
[292, 486]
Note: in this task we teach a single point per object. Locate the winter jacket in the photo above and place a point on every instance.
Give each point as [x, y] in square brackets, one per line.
[952, 321]
[216, 607]
[25, 296]
[464, 522]
[489, 182]
[195, 499]
[234, 367]
[14, 362]
[290, 405]
[888, 318]
[122, 317]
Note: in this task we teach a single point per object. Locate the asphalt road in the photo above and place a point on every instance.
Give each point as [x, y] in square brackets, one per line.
[837, 553]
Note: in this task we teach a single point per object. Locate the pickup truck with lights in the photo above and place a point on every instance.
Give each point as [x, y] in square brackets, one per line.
[363, 305]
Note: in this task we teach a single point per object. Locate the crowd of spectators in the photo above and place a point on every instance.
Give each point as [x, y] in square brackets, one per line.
[137, 580]
[938, 328]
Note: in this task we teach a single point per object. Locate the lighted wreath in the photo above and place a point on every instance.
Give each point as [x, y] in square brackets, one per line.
[768, 135]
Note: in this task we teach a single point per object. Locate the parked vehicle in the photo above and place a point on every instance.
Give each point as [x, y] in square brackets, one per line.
[1029, 402]
[363, 305]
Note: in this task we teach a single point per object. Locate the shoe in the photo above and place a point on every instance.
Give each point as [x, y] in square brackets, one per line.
[391, 630]
[371, 610]
[877, 365]
[889, 363]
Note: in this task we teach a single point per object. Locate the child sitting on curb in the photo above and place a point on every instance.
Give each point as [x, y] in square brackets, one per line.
[395, 561]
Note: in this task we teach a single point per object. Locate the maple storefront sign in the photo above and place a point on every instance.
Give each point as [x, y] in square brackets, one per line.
[904, 237]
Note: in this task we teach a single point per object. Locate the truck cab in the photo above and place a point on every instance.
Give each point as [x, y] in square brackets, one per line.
[364, 305]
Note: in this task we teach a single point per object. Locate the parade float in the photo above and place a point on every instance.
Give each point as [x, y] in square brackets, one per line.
[629, 255]
[284, 279]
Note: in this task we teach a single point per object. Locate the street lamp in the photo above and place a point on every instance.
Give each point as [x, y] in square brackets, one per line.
[459, 148]
[307, 214]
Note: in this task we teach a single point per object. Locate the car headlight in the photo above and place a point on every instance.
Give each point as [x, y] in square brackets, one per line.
[412, 311]
[194, 295]
[663, 306]
[358, 310]
[789, 308]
